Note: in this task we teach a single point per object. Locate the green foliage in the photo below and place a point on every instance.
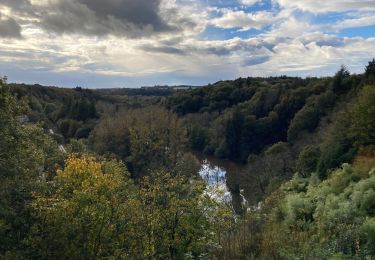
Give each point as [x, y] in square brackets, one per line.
[309, 116]
[77, 146]
[187, 165]
[215, 97]
[308, 160]
[73, 119]
[111, 135]
[298, 210]
[147, 139]
[27, 156]
[233, 119]
[78, 109]
[339, 83]
[180, 220]
[93, 210]
[334, 153]
[233, 135]
[198, 138]
[85, 216]
[156, 139]
[370, 69]
[362, 128]
[368, 230]
[305, 219]
[74, 111]
[351, 131]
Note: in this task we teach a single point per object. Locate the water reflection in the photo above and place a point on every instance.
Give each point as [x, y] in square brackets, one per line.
[212, 174]
[236, 184]
[216, 178]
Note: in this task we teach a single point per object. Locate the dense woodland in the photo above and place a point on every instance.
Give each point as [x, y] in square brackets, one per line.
[93, 174]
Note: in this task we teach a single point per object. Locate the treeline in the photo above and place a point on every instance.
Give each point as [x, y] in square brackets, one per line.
[156, 91]
[234, 119]
[149, 91]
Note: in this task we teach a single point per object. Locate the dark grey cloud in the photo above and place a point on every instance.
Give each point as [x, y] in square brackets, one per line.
[130, 18]
[321, 39]
[188, 49]
[256, 60]
[138, 12]
[163, 49]
[172, 41]
[257, 49]
[332, 43]
[219, 51]
[252, 47]
[18, 5]
[9, 28]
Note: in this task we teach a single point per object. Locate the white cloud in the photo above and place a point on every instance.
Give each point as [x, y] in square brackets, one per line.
[249, 2]
[243, 20]
[366, 20]
[301, 57]
[324, 6]
[291, 28]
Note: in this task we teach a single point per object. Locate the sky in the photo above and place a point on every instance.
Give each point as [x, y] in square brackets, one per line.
[133, 43]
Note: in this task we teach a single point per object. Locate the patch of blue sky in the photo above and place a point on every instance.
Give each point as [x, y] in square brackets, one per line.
[364, 32]
[251, 61]
[327, 19]
[262, 5]
[221, 3]
[214, 33]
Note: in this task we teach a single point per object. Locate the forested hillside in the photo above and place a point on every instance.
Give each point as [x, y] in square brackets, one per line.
[234, 119]
[71, 112]
[89, 174]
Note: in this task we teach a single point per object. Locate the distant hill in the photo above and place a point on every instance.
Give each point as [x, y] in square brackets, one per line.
[146, 91]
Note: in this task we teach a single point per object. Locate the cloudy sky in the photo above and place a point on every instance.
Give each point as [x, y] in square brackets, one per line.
[131, 43]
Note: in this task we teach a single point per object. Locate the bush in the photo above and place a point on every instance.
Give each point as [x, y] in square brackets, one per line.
[339, 85]
[362, 129]
[82, 132]
[309, 116]
[308, 160]
[368, 230]
[370, 69]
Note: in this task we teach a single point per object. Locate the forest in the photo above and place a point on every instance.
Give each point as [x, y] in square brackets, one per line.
[113, 174]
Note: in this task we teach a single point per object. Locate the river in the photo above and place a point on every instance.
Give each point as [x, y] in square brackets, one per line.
[236, 185]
